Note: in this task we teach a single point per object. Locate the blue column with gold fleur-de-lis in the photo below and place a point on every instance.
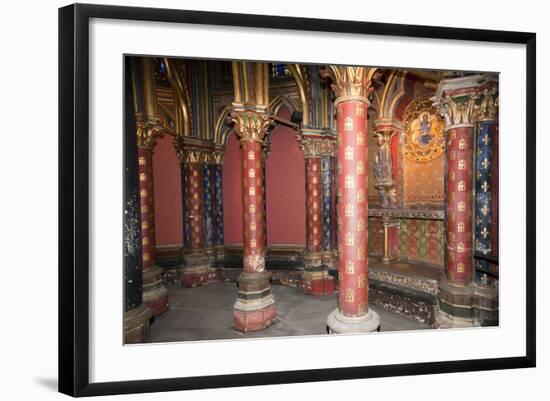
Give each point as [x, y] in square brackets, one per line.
[207, 190]
[185, 208]
[327, 202]
[218, 204]
[483, 198]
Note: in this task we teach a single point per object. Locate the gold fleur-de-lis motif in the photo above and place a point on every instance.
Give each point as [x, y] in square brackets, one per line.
[360, 167]
[361, 281]
[485, 186]
[350, 267]
[360, 138]
[348, 154]
[485, 210]
[485, 163]
[360, 196]
[348, 124]
[485, 232]
[486, 139]
[349, 181]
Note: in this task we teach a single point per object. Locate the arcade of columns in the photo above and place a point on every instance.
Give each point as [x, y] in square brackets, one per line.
[470, 110]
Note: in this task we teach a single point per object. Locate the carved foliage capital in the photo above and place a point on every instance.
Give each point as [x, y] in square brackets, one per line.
[488, 108]
[148, 130]
[317, 147]
[457, 110]
[351, 82]
[251, 125]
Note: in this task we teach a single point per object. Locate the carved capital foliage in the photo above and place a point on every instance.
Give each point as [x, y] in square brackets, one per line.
[488, 108]
[351, 82]
[251, 125]
[458, 111]
[216, 158]
[148, 130]
[317, 147]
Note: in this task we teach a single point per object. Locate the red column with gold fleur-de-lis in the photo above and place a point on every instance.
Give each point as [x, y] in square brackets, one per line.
[353, 314]
[255, 306]
[456, 100]
[315, 278]
[155, 294]
[197, 271]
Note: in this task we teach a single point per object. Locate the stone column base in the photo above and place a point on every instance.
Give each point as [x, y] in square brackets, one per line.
[171, 275]
[197, 271]
[456, 305]
[317, 283]
[330, 260]
[155, 293]
[337, 323]
[254, 309]
[210, 256]
[219, 251]
[137, 325]
[486, 309]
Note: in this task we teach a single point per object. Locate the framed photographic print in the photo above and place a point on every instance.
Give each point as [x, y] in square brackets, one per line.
[249, 199]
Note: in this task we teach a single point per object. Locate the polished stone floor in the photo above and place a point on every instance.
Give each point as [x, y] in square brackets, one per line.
[205, 313]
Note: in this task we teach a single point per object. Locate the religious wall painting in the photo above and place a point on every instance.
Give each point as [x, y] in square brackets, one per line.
[424, 131]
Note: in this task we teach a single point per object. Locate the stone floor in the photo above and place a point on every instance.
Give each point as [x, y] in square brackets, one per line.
[205, 313]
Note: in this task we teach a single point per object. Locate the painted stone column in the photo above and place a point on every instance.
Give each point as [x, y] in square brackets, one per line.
[353, 314]
[315, 278]
[217, 161]
[255, 306]
[196, 271]
[486, 188]
[208, 193]
[136, 315]
[456, 101]
[155, 294]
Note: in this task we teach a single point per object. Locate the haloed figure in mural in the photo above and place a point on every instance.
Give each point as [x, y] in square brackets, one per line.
[257, 194]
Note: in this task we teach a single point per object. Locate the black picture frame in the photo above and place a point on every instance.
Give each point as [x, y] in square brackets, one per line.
[74, 198]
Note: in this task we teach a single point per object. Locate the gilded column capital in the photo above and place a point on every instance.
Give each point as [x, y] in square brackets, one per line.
[216, 157]
[351, 83]
[466, 100]
[488, 108]
[251, 125]
[148, 130]
[456, 111]
[192, 156]
[317, 147]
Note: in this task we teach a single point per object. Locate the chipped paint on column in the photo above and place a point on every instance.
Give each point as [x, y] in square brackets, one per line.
[253, 207]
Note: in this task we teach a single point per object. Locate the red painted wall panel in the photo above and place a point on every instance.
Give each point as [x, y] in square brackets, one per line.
[167, 189]
[232, 192]
[285, 188]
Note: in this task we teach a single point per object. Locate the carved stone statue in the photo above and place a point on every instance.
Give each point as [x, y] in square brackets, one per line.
[383, 169]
